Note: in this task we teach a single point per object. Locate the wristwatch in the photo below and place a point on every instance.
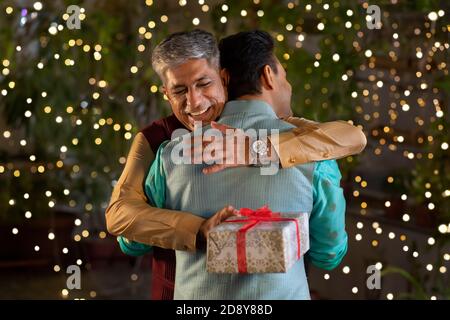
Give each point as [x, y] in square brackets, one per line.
[258, 151]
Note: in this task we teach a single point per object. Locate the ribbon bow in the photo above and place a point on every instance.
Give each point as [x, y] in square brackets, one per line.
[261, 212]
[253, 217]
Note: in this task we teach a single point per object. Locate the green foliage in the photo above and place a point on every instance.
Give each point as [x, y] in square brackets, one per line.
[95, 108]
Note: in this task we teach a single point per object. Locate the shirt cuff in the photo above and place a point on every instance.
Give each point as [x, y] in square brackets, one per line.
[187, 228]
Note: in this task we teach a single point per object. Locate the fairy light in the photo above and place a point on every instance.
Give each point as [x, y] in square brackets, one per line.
[433, 16]
[128, 126]
[442, 228]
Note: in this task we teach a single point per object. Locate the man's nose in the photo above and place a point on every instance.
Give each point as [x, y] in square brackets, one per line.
[193, 99]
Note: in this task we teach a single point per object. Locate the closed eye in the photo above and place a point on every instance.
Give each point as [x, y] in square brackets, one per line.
[178, 92]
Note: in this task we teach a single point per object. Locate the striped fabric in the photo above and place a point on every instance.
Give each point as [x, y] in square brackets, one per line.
[188, 189]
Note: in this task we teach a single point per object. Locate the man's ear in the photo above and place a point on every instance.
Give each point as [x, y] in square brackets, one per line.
[267, 80]
[225, 76]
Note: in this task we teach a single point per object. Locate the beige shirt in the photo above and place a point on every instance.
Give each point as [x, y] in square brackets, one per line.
[129, 214]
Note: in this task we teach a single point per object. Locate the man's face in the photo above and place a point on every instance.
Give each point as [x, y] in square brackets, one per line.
[282, 92]
[195, 92]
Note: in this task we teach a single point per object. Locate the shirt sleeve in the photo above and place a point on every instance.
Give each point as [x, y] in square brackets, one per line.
[314, 141]
[328, 238]
[130, 215]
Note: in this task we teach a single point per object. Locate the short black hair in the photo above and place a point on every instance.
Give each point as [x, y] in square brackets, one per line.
[244, 56]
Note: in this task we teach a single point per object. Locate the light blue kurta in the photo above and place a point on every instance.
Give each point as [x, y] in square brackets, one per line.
[312, 188]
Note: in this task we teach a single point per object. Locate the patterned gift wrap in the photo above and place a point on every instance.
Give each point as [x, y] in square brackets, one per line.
[267, 246]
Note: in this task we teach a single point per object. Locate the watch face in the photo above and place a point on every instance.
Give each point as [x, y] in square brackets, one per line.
[260, 147]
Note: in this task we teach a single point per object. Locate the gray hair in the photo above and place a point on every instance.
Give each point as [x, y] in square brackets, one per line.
[179, 47]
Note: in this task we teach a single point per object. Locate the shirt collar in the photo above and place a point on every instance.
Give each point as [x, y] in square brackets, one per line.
[248, 106]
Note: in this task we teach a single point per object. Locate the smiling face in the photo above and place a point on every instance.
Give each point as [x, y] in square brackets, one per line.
[195, 92]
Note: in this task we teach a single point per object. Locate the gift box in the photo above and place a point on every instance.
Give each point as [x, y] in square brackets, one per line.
[260, 241]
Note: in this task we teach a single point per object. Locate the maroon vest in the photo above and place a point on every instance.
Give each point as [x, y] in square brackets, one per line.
[163, 261]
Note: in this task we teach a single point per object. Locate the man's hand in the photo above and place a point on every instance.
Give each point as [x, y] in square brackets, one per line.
[231, 149]
[216, 219]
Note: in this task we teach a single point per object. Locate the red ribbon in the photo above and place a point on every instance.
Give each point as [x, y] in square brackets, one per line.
[253, 217]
